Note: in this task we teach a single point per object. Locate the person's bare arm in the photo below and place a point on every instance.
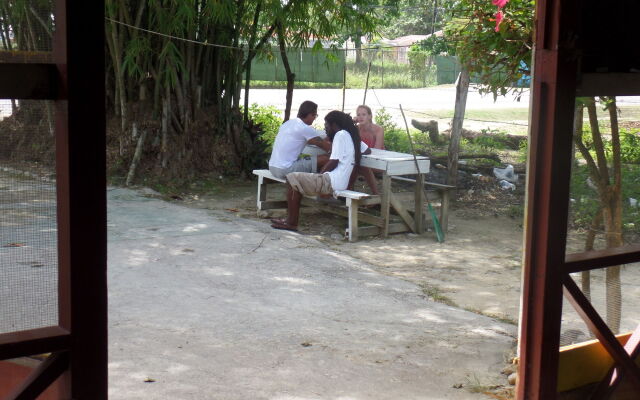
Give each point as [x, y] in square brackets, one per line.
[323, 144]
[378, 134]
[329, 166]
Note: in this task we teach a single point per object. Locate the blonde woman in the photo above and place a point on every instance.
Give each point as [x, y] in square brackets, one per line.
[373, 136]
[370, 133]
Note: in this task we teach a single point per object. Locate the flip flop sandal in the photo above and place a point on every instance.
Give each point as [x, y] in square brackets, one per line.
[284, 226]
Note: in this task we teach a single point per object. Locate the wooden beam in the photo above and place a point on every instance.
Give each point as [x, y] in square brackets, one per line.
[35, 341]
[588, 260]
[28, 81]
[608, 84]
[601, 331]
[41, 378]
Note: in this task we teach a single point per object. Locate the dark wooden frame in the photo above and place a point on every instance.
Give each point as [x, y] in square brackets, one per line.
[556, 83]
[73, 77]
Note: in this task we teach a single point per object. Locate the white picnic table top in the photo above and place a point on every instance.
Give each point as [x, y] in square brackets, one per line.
[391, 162]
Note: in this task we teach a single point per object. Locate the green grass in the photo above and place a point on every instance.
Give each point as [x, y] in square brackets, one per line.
[436, 294]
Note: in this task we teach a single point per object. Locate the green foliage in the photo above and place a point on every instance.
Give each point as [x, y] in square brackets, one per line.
[585, 202]
[269, 119]
[435, 45]
[497, 59]
[413, 17]
[629, 145]
[418, 63]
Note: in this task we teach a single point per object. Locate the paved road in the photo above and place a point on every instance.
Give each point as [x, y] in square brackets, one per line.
[207, 305]
[212, 306]
[417, 103]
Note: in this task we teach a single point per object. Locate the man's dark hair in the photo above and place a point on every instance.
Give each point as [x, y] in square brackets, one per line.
[306, 108]
[345, 122]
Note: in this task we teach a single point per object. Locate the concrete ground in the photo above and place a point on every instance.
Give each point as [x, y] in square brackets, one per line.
[205, 305]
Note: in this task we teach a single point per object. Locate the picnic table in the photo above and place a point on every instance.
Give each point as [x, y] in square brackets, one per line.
[393, 166]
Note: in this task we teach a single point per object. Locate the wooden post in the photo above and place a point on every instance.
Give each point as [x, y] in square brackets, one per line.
[462, 88]
[384, 204]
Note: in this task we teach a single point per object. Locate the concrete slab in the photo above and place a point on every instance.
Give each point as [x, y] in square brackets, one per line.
[206, 305]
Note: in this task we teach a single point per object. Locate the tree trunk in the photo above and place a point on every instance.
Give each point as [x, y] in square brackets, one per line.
[136, 156]
[287, 68]
[462, 88]
[250, 55]
[357, 40]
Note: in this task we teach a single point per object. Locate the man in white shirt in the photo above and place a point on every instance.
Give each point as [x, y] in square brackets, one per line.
[346, 151]
[292, 137]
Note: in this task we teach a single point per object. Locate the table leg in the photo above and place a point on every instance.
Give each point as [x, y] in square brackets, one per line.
[353, 206]
[384, 204]
[444, 210]
[418, 205]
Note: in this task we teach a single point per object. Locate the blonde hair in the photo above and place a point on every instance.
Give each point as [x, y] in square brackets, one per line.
[366, 108]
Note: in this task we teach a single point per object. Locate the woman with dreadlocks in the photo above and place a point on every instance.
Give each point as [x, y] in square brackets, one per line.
[346, 151]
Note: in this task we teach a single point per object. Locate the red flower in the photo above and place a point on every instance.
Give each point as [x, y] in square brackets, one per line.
[499, 18]
[499, 3]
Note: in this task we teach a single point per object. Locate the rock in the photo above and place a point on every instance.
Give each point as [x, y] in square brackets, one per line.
[263, 214]
[337, 237]
[513, 378]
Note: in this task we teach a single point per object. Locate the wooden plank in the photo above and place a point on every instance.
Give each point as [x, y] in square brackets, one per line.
[272, 205]
[419, 201]
[384, 205]
[398, 227]
[584, 363]
[28, 81]
[407, 167]
[595, 259]
[41, 378]
[352, 204]
[35, 341]
[402, 212]
[444, 209]
[608, 84]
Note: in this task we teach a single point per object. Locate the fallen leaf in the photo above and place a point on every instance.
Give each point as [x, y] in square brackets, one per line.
[149, 380]
[14, 245]
[232, 209]
[306, 344]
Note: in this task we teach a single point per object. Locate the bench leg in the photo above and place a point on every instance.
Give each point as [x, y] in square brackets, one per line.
[353, 206]
[262, 192]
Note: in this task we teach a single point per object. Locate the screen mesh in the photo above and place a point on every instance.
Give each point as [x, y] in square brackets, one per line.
[28, 225]
[27, 26]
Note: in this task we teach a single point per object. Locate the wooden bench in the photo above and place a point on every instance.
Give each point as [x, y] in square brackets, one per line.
[353, 201]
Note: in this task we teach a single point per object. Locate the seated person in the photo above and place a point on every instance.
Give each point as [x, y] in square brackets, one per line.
[373, 136]
[346, 152]
[292, 137]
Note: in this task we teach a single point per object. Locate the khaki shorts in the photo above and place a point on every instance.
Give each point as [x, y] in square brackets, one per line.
[309, 184]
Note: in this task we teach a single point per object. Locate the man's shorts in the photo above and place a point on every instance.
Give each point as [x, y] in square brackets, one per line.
[310, 184]
[303, 164]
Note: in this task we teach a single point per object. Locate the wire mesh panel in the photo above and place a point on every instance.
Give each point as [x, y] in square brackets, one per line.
[26, 25]
[28, 226]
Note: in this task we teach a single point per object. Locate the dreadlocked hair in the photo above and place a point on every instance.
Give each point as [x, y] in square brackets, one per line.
[345, 122]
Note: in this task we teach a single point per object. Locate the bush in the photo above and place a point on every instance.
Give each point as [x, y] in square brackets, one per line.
[269, 119]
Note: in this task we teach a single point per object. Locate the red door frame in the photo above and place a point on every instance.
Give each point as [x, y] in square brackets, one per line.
[74, 79]
[556, 83]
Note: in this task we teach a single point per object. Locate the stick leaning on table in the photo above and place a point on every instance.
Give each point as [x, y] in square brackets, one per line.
[436, 223]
